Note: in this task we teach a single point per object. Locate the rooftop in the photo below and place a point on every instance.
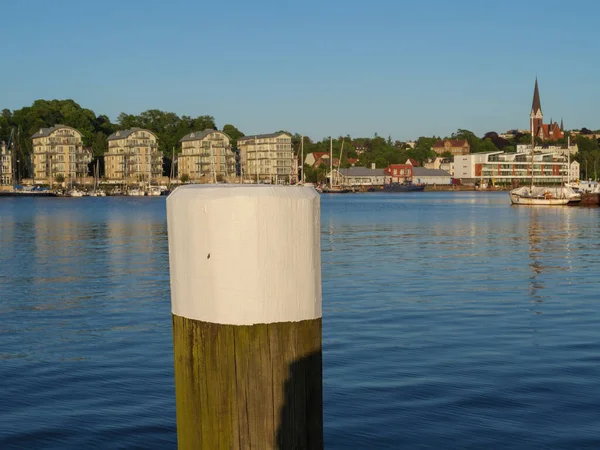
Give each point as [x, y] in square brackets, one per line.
[44, 132]
[122, 134]
[423, 172]
[197, 135]
[263, 136]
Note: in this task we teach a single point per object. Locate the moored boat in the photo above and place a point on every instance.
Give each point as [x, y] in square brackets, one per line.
[536, 197]
[403, 187]
[541, 195]
[136, 192]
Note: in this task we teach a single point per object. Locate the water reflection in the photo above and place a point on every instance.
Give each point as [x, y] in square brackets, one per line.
[550, 240]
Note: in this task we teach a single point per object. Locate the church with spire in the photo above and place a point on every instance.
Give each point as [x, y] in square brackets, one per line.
[546, 131]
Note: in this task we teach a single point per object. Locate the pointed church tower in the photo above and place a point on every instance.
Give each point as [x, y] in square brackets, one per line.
[562, 128]
[536, 116]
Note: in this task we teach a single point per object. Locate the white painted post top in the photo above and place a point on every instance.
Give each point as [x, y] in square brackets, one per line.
[245, 254]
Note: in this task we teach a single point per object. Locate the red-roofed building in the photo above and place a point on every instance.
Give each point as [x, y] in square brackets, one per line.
[454, 146]
[352, 161]
[399, 173]
[413, 162]
[313, 157]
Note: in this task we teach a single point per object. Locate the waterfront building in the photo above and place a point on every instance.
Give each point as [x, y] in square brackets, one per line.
[574, 171]
[206, 156]
[446, 164]
[548, 168]
[550, 131]
[6, 167]
[359, 176]
[267, 158]
[454, 146]
[559, 150]
[133, 155]
[399, 173]
[423, 175]
[58, 151]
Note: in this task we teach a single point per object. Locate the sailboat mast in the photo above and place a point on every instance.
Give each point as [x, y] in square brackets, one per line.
[302, 158]
[532, 155]
[330, 161]
[568, 159]
[339, 161]
[212, 155]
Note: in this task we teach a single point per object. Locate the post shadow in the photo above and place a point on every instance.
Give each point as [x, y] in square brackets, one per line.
[301, 416]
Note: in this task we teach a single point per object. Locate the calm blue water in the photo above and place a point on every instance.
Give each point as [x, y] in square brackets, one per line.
[451, 321]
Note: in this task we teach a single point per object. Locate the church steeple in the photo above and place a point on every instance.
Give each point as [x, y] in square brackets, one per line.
[536, 117]
[561, 125]
[536, 105]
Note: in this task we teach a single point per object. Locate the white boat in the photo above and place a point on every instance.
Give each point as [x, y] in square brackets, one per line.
[136, 192]
[76, 193]
[97, 192]
[542, 196]
[538, 196]
[586, 187]
[154, 191]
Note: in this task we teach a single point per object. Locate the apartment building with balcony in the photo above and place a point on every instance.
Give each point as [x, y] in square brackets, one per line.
[6, 167]
[133, 156]
[58, 151]
[505, 168]
[206, 157]
[268, 158]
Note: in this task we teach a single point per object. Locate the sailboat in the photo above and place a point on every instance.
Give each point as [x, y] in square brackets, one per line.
[334, 188]
[539, 195]
[97, 192]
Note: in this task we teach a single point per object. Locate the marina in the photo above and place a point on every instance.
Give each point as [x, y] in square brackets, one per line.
[450, 320]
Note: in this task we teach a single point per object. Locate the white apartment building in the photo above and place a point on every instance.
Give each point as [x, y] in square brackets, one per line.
[268, 158]
[503, 167]
[554, 149]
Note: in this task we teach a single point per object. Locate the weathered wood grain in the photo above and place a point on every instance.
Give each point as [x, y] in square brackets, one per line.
[248, 386]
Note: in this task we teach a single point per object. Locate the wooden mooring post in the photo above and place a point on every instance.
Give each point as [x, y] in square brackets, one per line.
[245, 267]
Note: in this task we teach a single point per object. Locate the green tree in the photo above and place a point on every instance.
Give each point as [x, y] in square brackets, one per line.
[100, 144]
[233, 133]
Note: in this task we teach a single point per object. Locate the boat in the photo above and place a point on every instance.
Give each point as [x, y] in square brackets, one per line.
[154, 191]
[589, 192]
[406, 186]
[536, 196]
[96, 192]
[333, 187]
[29, 191]
[135, 192]
[540, 195]
[75, 193]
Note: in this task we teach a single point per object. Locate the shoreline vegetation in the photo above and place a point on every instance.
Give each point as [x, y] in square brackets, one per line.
[170, 127]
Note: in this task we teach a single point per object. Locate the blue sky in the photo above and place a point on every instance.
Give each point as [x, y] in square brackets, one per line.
[316, 67]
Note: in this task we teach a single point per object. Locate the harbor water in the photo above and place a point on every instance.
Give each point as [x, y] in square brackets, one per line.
[451, 320]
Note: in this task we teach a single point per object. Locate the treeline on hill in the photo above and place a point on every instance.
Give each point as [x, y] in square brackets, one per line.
[170, 128]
